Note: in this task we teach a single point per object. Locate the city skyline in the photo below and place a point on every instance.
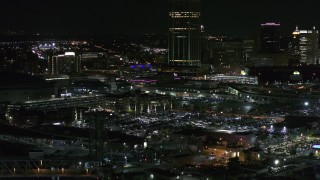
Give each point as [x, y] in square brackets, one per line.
[159, 89]
[141, 16]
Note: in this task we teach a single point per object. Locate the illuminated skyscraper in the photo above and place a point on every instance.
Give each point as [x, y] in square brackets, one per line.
[270, 38]
[184, 33]
[305, 46]
[67, 63]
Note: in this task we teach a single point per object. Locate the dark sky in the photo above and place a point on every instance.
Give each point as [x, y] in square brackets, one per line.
[231, 17]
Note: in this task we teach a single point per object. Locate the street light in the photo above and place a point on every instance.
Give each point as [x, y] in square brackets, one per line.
[276, 162]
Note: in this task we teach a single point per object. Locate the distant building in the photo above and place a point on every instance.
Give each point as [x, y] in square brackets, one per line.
[184, 33]
[26, 99]
[233, 79]
[181, 72]
[270, 37]
[305, 46]
[269, 59]
[249, 46]
[67, 63]
[226, 55]
[53, 110]
[272, 49]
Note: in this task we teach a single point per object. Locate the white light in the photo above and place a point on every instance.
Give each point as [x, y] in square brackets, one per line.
[69, 53]
[276, 162]
[306, 103]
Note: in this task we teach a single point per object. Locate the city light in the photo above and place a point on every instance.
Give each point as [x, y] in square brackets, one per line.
[151, 93]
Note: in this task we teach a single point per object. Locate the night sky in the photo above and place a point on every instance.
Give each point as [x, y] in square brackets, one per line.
[224, 17]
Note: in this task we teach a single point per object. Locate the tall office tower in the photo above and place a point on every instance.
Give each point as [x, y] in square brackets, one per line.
[67, 63]
[249, 47]
[305, 46]
[270, 37]
[184, 33]
[226, 55]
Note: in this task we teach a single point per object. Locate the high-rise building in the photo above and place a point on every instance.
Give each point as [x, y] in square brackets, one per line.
[184, 33]
[226, 55]
[270, 37]
[67, 63]
[249, 46]
[305, 46]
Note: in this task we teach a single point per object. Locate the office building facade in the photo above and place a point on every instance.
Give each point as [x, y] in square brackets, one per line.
[270, 37]
[226, 55]
[184, 33]
[67, 63]
[305, 46]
